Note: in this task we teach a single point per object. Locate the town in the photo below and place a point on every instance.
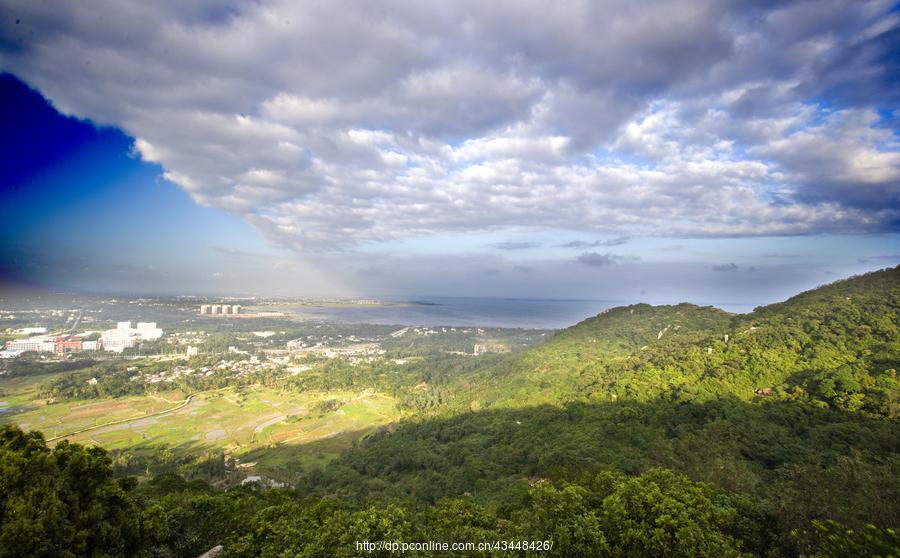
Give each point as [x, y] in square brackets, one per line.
[116, 340]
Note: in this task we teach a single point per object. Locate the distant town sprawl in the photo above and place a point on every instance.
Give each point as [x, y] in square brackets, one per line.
[116, 340]
[113, 340]
[58, 327]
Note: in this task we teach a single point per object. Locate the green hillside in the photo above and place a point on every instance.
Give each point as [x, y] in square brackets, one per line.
[837, 345]
[575, 363]
[773, 405]
[643, 431]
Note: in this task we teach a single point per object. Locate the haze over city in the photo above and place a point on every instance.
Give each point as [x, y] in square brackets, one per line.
[718, 152]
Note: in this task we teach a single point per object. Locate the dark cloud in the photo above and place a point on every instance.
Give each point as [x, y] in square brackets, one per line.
[514, 245]
[670, 248]
[618, 241]
[594, 259]
[880, 259]
[729, 267]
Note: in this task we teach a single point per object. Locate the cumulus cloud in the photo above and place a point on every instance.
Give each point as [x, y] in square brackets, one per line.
[325, 124]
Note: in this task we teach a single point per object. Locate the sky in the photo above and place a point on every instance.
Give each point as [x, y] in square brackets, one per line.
[701, 150]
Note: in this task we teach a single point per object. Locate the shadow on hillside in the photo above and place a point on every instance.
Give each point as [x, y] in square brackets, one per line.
[792, 461]
[204, 459]
[806, 460]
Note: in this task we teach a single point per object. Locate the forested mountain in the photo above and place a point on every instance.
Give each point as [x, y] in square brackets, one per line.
[644, 431]
[837, 345]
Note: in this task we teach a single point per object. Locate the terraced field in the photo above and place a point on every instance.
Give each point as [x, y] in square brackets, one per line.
[272, 430]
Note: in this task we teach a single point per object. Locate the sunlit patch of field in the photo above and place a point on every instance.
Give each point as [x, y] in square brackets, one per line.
[315, 439]
[278, 430]
[57, 418]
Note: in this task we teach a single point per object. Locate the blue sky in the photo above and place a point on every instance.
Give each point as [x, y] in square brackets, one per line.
[79, 206]
[744, 154]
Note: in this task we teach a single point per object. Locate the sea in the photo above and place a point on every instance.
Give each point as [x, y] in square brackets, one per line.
[465, 312]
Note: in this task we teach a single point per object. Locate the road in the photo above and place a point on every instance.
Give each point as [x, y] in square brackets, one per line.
[77, 321]
[262, 426]
[131, 419]
[65, 330]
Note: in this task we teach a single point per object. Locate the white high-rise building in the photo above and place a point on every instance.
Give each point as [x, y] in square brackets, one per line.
[148, 331]
[205, 309]
[119, 339]
[124, 336]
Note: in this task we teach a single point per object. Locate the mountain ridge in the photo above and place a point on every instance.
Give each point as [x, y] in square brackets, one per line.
[645, 351]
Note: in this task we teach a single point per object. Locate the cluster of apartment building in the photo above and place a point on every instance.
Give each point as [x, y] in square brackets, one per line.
[124, 336]
[220, 309]
[59, 344]
[115, 340]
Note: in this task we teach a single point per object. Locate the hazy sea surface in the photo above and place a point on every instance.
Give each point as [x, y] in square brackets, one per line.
[453, 311]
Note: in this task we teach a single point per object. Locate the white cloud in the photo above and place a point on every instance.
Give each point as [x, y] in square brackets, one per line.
[326, 124]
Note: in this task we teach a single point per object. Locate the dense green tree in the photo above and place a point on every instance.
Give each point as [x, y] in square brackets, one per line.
[65, 502]
[830, 539]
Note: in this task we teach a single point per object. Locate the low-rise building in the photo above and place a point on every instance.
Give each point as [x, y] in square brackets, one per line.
[37, 344]
[66, 344]
[117, 340]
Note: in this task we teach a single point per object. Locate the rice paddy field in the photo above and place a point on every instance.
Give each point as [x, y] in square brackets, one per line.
[267, 430]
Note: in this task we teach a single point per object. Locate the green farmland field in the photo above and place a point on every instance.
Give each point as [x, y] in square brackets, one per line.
[267, 430]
